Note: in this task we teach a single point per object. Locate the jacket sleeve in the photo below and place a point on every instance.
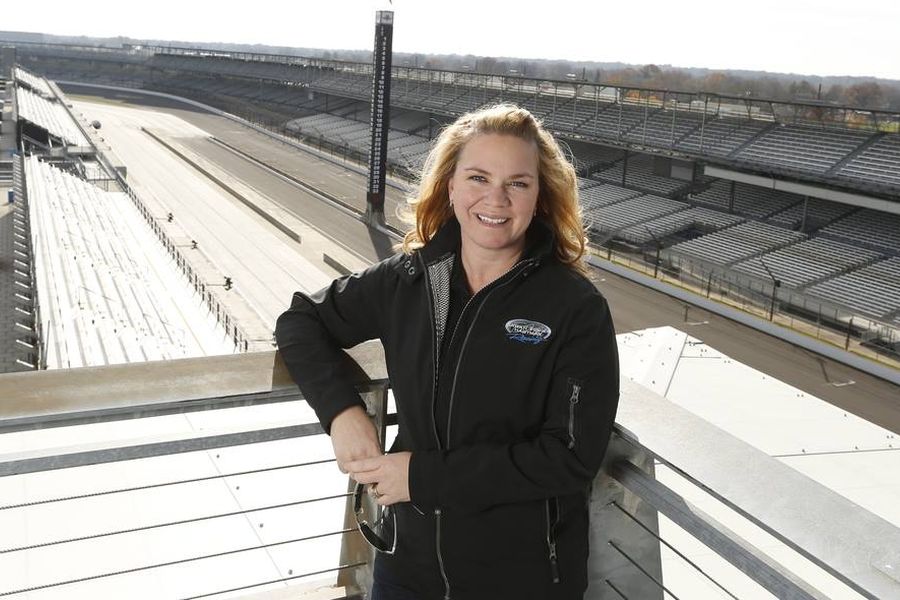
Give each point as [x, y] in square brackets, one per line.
[313, 332]
[563, 457]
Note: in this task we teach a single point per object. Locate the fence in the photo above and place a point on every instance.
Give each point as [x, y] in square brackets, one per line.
[839, 327]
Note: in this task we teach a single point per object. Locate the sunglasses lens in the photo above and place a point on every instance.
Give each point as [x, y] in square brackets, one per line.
[379, 532]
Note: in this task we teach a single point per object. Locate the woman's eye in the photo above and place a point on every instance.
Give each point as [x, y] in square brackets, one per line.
[519, 184]
[477, 178]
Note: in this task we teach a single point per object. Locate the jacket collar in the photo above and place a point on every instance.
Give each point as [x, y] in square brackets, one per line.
[539, 245]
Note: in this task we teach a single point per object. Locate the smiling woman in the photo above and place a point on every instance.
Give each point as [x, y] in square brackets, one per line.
[502, 358]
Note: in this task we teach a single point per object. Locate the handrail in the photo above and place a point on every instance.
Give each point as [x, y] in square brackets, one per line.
[858, 548]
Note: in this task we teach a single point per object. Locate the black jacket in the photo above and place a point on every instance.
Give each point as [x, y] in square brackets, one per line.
[499, 499]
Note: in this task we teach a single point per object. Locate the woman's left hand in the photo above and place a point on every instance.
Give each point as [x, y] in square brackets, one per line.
[387, 475]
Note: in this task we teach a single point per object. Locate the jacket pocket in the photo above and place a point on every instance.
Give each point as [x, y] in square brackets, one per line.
[574, 389]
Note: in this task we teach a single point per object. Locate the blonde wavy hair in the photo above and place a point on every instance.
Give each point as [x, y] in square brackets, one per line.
[557, 203]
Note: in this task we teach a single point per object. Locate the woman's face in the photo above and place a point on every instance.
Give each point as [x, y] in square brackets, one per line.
[494, 191]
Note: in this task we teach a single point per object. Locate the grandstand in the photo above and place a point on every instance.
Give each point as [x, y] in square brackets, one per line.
[631, 211]
[807, 262]
[868, 228]
[744, 199]
[740, 242]
[873, 290]
[50, 116]
[109, 291]
[624, 142]
[37, 84]
[769, 136]
[697, 218]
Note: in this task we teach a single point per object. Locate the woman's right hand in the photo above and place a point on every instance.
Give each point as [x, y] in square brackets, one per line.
[353, 437]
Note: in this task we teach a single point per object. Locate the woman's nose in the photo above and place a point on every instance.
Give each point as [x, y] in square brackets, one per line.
[498, 194]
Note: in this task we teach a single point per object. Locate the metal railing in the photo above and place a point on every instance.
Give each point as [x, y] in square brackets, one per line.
[856, 550]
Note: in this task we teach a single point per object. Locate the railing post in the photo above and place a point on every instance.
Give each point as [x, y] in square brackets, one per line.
[354, 548]
[617, 542]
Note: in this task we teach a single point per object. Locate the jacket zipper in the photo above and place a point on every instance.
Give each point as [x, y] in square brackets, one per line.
[437, 519]
[434, 350]
[490, 289]
[551, 539]
[573, 401]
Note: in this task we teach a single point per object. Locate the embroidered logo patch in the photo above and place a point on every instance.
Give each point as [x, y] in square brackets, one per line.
[527, 332]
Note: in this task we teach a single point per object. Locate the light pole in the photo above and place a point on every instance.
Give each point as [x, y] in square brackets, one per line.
[658, 248]
[776, 283]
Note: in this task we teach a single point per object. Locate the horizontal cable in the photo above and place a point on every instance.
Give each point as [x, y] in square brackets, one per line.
[172, 523]
[642, 569]
[673, 549]
[283, 579]
[615, 589]
[174, 562]
[160, 485]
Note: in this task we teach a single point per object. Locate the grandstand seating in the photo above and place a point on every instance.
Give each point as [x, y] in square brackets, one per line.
[631, 211]
[807, 262]
[721, 136]
[403, 149]
[587, 158]
[818, 214]
[878, 163]
[857, 157]
[873, 290]
[603, 194]
[37, 84]
[749, 200]
[802, 148]
[640, 176]
[868, 228]
[109, 291]
[663, 128]
[49, 115]
[661, 227]
[737, 243]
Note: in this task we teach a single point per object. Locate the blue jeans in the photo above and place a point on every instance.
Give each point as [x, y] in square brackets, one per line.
[389, 590]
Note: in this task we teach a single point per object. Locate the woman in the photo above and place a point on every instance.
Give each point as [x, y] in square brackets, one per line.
[503, 363]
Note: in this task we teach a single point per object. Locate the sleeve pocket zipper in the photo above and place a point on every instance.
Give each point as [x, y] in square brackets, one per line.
[573, 402]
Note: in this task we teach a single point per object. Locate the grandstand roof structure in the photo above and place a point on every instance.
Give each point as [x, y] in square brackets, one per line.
[835, 146]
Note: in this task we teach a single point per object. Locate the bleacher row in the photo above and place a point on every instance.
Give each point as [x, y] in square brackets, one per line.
[639, 175]
[408, 150]
[109, 291]
[873, 290]
[37, 84]
[860, 157]
[50, 116]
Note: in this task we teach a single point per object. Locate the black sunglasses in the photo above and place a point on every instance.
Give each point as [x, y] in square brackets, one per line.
[382, 534]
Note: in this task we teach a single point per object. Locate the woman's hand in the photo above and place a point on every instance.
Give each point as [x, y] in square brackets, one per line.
[353, 437]
[387, 476]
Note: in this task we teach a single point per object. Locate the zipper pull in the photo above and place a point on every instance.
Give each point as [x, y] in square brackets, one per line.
[554, 566]
[576, 390]
[573, 400]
